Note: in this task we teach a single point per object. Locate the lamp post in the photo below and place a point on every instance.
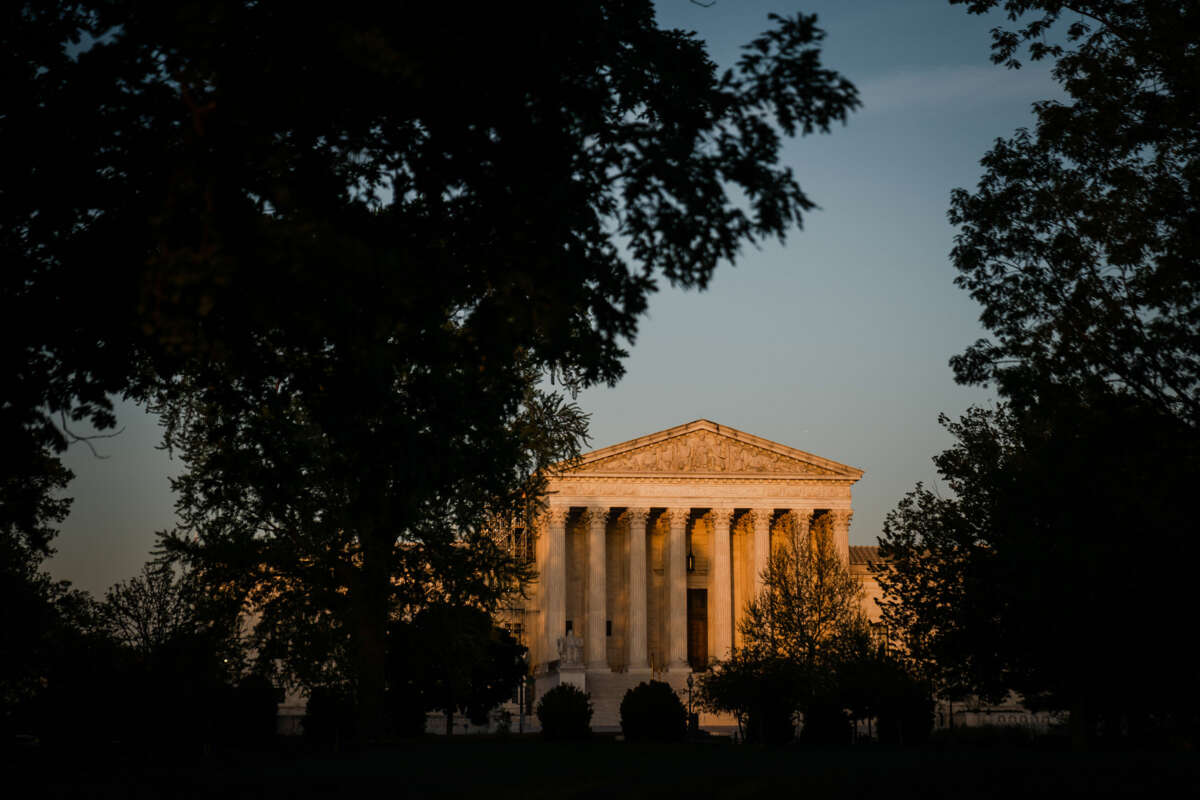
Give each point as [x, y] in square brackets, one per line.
[691, 723]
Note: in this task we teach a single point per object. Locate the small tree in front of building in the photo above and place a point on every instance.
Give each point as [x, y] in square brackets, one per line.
[795, 633]
[453, 659]
[810, 607]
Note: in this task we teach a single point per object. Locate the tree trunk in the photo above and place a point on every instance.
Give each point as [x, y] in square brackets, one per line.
[1079, 724]
[370, 642]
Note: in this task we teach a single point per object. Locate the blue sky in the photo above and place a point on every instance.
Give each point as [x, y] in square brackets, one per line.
[836, 343]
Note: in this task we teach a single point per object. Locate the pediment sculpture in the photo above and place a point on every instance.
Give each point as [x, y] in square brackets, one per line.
[703, 451]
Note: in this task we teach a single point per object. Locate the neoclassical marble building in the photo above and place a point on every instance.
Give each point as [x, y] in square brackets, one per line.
[651, 548]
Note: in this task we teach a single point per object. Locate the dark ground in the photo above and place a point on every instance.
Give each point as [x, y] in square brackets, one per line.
[530, 768]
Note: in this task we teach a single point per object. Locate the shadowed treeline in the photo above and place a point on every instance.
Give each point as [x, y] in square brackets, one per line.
[340, 254]
[1052, 565]
[360, 261]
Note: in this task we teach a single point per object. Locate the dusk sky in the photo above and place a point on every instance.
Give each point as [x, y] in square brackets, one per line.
[835, 343]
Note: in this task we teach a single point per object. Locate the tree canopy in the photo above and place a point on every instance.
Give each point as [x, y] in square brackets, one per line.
[1043, 569]
[1079, 241]
[341, 250]
[810, 605]
[797, 634]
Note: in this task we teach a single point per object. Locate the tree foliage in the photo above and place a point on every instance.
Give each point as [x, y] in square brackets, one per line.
[1042, 572]
[342, 250]
[1079, 241]
[453, 659]
[805, 622]
[810, 605]
[152, 608]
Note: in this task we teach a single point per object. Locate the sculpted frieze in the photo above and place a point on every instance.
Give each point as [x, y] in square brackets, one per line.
[704, 452]
[660, 492]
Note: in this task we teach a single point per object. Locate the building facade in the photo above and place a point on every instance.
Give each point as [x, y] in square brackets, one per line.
[651, 548]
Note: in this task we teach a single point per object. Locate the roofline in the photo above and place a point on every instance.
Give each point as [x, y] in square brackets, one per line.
[846, 470]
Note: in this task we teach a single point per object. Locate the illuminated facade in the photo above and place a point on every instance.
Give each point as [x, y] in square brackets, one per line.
[651, 548]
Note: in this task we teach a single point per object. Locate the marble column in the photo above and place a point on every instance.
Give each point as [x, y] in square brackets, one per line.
[803, 518]
[554, 580]
[596, 645]
[677, 589]
[637, 589]
[762, 545]
[841, 533]
[722, 585]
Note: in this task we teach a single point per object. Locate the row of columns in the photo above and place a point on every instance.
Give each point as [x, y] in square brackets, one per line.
[595, 648]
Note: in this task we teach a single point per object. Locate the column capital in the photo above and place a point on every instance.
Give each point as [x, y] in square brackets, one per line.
[762, 516]
[557, 515]
[677, 515]
[841, 516]
[722, 516]
[596, 515]
[637, 515]
[802, 515]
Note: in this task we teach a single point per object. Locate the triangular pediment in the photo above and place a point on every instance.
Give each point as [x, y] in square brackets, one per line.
[706, 448]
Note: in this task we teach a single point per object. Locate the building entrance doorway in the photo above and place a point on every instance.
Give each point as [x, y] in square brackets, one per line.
[697, 628]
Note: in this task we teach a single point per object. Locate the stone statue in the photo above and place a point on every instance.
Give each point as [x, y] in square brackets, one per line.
[570, 650]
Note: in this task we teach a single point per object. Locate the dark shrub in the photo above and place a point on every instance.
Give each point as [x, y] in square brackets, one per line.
[907, 717]
[984, 737]
[253, 717]
[565, 713]
[406, 710]
[825, 723]
[653, 712]
[770, 723]
[329, 716]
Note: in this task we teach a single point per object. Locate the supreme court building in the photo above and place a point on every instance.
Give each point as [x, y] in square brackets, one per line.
[650, 549]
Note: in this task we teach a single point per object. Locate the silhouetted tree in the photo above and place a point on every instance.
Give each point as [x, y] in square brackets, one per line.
[762, 691]
[45, 618]
[879, 684]
[1079, 241]
[810, 606]
[453, 659]
[795, 633]
[1041, 571]
[147, 611]
[338, 245]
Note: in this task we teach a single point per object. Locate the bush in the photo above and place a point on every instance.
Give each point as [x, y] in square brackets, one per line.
[985, 737]
[770, 724]
[653, 712]
[907, 717]
[253, 717]
[565, 713]
[762, 692]
[406, 710]
[825, 724]
[329, 717]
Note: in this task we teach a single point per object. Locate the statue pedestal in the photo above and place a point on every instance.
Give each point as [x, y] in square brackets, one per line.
[574, 674]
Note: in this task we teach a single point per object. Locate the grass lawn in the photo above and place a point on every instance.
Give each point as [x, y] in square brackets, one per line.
[529, 768]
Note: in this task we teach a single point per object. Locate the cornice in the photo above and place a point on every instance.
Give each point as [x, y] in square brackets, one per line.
[837, 471]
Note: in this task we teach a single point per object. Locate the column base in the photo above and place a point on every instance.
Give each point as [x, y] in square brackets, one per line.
[598, 666]
[679, 666]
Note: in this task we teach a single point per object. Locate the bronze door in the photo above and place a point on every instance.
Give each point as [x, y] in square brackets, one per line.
[697, 628]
